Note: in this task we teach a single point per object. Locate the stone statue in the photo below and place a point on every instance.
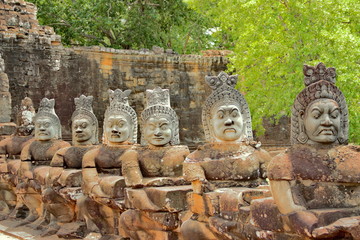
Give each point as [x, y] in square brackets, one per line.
[10, 149]
[64, 179]
[103, 183]
[154, 170]
[316, 183]
[225, 172]
[36, 157]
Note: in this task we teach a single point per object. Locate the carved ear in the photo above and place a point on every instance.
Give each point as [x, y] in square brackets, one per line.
[301, 114]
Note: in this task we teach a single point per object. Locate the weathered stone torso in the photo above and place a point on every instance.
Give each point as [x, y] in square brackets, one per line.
[73, 156]
[108, 160]
[41, 152]
[222, 161]
[162, 161]
[320, 178]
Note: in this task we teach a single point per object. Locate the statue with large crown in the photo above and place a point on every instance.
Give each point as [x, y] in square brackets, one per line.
[63, 185]
[36, 157]
[103, 183]
[316, 183]
[228, 171]
[10, 150]
[157, 198]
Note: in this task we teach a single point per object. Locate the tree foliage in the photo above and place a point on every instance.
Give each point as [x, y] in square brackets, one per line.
[272, 40]
[126, 24]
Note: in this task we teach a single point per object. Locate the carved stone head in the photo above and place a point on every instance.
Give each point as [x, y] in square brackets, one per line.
[120, 122]
[226, 115]
[84, 125]
[319, 114]
[47, 123]
[160, 124]
[25, 117]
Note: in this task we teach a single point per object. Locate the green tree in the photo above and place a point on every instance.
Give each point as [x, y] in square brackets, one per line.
[126, 24]
[271, 41]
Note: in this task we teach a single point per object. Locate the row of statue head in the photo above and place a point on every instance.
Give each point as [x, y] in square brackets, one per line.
[319, 115]
[160, 122]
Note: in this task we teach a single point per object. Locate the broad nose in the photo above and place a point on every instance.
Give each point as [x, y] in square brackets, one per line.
[115, 129]
[326, 121]
[229, 122]
[42, 128]
[157, 132]
[78, 130]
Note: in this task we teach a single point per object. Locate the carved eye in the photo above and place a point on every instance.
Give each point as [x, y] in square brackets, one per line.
[235, 114]
[84, 125]
[164, 127]
[47, 124]
[220, 115]
[334, 114]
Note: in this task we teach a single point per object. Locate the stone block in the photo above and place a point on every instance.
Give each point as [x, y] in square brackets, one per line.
[265, 215]
[328, 216]
[171, 199]
[5, 107]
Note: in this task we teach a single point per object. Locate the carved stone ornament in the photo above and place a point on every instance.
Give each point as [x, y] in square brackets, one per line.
[46, 109]
[225, 94]
[84, 110]
[158, 104]
[119, 105]
[319, 84]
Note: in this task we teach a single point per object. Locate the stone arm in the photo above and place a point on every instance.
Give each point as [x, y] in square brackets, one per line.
[131, 169]
[301, 220]
[56, 167]
[91, 180]
[194, 173]
[264, 160]
[25, 171]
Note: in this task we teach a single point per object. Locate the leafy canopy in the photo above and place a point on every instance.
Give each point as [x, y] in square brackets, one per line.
[126, 24]
[272, 40]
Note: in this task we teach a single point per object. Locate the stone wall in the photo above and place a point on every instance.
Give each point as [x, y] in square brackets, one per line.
[39, 66]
